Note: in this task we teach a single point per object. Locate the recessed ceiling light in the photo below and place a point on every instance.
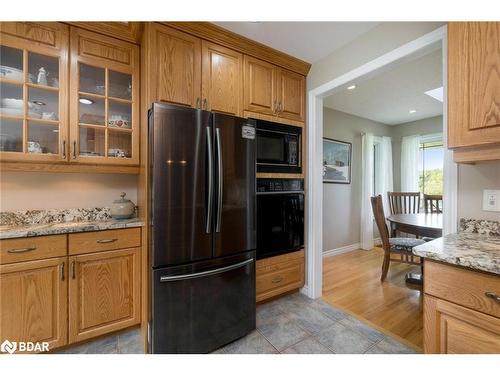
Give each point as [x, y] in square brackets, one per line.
[86, 101]
[412, 111]
[352, 87]
[436, 94]
[37, 102]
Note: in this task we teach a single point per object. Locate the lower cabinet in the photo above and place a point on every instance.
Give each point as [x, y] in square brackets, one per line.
[33, 301]
[279, 274]
[453, 329]
[104, 293]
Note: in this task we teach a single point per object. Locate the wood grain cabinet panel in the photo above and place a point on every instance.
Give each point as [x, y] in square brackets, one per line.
[177, 63]
[291, 94]
[453, 329]
[259, 86]
[33, 301]
[474, 87]
[32, 248]
[104, 293]
[222, 79]
[93, 242]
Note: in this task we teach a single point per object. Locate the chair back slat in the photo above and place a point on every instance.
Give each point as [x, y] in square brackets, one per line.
[433, 203]
[378, 213]
[404, 202]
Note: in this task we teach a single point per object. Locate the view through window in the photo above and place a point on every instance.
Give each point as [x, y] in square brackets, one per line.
[430, 167]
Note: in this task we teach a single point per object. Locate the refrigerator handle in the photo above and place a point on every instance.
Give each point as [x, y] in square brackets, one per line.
[164, 279]
[220, 180]
[208, 228]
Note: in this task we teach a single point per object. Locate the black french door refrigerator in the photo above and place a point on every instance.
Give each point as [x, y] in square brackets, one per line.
[203, 228]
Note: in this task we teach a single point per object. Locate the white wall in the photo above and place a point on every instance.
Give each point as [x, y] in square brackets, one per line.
[341, 202]
[32, 190]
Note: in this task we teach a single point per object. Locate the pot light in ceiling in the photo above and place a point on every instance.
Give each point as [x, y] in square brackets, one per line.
[412, 111]
[436, 94]
[352, 87]
[37, 102]
[86, 101]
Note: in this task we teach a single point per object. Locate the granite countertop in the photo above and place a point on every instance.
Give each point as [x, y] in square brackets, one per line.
[33, 230]
[473, 250]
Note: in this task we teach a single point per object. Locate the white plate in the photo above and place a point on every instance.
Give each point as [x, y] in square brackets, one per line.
[19, 112]
[14, 74]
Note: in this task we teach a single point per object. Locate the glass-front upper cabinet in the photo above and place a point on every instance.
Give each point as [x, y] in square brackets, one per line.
[33, 91]
[104, 104]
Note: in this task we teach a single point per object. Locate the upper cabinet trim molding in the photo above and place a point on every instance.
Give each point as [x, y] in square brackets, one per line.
[128, 31]
[226, 38]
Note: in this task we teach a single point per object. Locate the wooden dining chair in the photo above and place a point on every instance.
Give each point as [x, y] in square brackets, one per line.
[433, 204]
[394, 245]
[403, 202]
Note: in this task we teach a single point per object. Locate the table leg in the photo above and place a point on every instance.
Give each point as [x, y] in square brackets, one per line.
[393, 230]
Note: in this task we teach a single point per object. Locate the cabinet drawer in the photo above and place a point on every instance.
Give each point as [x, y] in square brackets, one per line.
[463, 287]
[278, 275]
[91, 242]
[32, 248]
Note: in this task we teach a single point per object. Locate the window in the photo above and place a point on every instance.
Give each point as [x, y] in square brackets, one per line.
[430, 168]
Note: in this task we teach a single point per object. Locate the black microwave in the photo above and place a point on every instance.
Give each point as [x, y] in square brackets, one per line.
[278, 147]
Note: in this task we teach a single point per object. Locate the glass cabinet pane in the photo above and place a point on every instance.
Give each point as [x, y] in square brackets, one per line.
[11, 100]
[43, 104]
[43, 70]
[119, 144]
[92, 141]
[120, 115]
[42, 138]
[120, 85]
[91, 110]
[92, 79]
[11, 63]
[11, 135]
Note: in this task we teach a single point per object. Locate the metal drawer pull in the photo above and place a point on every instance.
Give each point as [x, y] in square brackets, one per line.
[277, 280]
[107, 241]
[62, 271]
[73, 270]
[493, 296]
[164, 279]
[22, 250]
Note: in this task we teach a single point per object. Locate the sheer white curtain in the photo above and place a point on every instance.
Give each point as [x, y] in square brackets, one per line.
[383, 170]
[409, 163]
[366, 230]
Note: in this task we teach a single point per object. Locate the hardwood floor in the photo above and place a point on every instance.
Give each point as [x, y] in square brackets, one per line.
[351, 282]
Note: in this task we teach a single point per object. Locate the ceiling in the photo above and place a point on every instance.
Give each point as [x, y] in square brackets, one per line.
[388, 96]
[308, 41]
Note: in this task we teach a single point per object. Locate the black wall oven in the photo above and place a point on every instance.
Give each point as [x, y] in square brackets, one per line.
[278, 147]
[280, 216]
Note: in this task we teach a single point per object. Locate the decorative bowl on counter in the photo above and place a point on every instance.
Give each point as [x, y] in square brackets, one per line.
[122, 208]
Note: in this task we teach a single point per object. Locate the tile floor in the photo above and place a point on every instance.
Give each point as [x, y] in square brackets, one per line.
[293, 324]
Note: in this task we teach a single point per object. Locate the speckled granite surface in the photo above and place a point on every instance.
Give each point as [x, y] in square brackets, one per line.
[489, 227]
[472, 250]
[59, 221]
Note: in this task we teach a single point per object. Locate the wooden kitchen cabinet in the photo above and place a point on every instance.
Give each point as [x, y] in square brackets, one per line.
[291, 95]
[104, 99]
[474, 90]
[104, 292]
[33, 77]
[33, 301]
[222, 79]
[175, 59]
[260, 86]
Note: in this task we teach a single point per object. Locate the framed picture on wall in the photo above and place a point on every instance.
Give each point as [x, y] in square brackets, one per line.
[336, 161]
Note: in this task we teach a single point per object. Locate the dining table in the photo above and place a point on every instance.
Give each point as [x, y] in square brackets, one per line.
[429, 225]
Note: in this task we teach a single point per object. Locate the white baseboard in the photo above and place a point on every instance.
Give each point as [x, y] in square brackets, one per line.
[347, 248]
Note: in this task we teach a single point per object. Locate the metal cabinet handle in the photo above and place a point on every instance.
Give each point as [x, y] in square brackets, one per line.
[275, 108]
[280, 107]
[21, 250]
[74, 149]
[73, 270]
[64, 149]
[107, 240]
[277, 280]
[62, 271]
[495, 297]
[205, 103]
[198, 102]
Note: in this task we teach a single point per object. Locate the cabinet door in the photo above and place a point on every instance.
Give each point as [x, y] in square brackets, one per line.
[450, 328]
[33, 301]
[291, 94]
[177, 65]
[473, 83]
[222, 79]
[33, 95]
[104, 100]
[259, 86]
[104, 293]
